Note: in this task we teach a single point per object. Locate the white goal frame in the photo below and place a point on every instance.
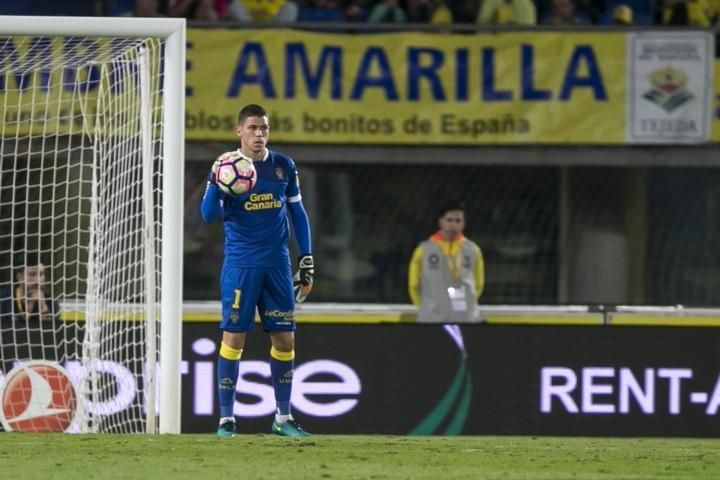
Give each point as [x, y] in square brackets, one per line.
[173, 32]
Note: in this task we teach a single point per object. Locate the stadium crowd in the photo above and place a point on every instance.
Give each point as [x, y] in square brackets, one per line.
[695, 13]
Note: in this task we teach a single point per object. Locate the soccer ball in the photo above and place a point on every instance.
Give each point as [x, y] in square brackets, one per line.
[235, 174]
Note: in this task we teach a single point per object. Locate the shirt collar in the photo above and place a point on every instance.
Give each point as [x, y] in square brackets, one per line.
[438, 238]
[265, 157]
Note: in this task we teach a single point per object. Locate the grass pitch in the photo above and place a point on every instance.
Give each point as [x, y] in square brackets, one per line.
[85, 457]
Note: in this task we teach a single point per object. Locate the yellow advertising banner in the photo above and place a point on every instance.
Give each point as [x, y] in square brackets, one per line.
[77, 86]
[410, 88]
[390, 88]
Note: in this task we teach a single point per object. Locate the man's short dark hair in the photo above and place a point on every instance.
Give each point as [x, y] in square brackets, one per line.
[450, 206]
[252, 110]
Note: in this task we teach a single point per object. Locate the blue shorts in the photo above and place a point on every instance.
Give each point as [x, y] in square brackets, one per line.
[269, 289]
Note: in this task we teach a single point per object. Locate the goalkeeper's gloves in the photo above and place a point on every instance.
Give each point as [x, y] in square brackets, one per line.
[303, 279]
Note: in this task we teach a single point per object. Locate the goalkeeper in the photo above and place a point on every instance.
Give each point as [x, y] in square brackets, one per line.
[256, 271]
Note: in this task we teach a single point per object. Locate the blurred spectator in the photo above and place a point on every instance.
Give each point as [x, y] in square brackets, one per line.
[562, 12]
[27, 298]
[134, 8]
[149, 8]
[222, 7]
[464, 11]
[387, 11]
[622, 15]
[30, 323]
[590, 9]
[118, 8]
[263, 11]
[192, 9]
[322, 11]
[429, 11]
[503, 12]
[695, 13]
[357, 10]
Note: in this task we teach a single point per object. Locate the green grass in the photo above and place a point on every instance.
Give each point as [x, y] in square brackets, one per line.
[205, 457]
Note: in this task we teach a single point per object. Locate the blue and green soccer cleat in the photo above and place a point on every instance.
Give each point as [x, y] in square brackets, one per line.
[289, 429]
[226, 429]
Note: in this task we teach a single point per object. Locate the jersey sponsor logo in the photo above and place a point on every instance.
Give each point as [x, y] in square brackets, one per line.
[261, 201]
[38, 397]
[279, 313]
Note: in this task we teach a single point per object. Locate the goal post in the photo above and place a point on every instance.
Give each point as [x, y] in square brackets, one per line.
[91, 178]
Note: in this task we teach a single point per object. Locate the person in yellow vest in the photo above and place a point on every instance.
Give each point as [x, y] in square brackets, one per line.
[447, 272]
[429, 11]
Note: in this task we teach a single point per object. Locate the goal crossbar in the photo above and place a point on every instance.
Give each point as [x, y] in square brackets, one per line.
[92, 26]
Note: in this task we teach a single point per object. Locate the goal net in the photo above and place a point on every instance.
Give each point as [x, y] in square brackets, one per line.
[90, 224]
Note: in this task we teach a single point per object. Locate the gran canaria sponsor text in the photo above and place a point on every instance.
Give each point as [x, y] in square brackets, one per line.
[261, 201]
